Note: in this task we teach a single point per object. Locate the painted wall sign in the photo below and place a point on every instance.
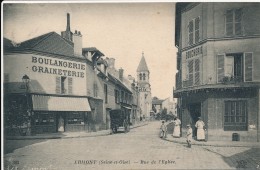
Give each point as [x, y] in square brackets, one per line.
[64, 70]
[194, 52]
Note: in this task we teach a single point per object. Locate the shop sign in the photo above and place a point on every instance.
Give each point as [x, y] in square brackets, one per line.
[51, 66]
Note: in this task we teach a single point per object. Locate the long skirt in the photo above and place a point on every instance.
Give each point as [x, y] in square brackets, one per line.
[200, 134]
[176, 131]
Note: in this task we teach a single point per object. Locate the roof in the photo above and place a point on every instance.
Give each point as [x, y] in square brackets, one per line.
[118, 82]
[92, 49]
[157, 102]
[7, 44]
[51, 43]
[142, 65]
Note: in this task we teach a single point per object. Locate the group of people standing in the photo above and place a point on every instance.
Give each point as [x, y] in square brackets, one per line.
[199, 125]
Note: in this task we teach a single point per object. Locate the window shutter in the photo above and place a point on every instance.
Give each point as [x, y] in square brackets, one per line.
[238, 21]
[229, 22]
[197, 72]
[220, 71]
[248, 67]
[191, 32]
[197, 29]
[70, 85]
[58, 85]
[190, 67]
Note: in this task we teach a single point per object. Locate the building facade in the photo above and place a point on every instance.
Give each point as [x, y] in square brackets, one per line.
[217, 62]
[145, 95]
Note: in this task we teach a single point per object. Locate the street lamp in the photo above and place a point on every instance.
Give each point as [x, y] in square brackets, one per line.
[26, 81]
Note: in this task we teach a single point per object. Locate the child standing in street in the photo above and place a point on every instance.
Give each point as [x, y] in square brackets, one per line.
[163, 130]
[189, 135]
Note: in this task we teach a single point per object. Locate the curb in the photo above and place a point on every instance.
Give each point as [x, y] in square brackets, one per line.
[95, 134]
[217, 145]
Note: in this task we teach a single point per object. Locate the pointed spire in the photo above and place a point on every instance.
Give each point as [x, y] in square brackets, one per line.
[142, 65]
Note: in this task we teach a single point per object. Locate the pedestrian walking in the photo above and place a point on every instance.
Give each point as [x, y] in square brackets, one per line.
[177, 129]
[189, 135]
[200, 125]
[163, 130]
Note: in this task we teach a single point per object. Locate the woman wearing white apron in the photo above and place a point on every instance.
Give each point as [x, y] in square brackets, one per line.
[200, 130]
[177, 129]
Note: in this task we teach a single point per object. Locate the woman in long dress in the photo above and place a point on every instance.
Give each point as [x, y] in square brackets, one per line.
[177, 129]
[200, 130]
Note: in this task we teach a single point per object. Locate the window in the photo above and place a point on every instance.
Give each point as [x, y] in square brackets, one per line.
[6, 78]
[140, 76]
[76, 118]
[235, 116]
[144, 76]
[63, 89]
[105, 91]
[234, 22]
[44, 118]
[235, 67]
[117, 97]
[95, 90]
[194, 31]
[193, 74]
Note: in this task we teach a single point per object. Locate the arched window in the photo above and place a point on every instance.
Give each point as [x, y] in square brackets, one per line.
[140, 76]
[144, 76]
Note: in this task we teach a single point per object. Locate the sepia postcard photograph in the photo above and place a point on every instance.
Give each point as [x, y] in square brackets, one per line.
[130, 85]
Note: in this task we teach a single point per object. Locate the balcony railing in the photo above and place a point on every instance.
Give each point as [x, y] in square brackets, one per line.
[232, 79]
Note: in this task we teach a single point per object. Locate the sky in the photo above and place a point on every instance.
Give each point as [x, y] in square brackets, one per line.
[119, 30]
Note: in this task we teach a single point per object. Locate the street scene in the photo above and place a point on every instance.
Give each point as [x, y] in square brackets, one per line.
[131, 85]
[141, 148]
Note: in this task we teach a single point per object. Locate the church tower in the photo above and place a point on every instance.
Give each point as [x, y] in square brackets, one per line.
[143, 80]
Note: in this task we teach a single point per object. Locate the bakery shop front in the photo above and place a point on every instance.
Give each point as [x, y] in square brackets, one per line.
[59, 114]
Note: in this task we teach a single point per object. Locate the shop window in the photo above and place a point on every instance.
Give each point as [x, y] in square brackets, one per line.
[105, 92]
[235, 116]
[76, 118]
[194, 31]
[234, 22]
[70, 83]
[44, 118]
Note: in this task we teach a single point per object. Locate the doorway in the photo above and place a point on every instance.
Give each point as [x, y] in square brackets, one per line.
[195, 113]
[60, 122]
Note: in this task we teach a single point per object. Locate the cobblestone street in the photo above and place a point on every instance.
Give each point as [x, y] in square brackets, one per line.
[141, 148]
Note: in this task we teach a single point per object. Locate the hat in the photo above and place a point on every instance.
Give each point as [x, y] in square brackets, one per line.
[199, 117]
[188, 125]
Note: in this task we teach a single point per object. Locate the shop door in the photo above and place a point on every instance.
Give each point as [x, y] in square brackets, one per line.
[60, 122]
[195, 112]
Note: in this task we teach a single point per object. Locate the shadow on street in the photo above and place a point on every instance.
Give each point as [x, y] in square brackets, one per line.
[11, 145]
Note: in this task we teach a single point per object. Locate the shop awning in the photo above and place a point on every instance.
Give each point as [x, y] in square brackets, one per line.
[56, 103]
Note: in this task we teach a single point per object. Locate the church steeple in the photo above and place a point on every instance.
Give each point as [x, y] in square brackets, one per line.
[142, 65]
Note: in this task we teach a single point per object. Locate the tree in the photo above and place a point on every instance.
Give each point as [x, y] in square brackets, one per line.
[164, 114]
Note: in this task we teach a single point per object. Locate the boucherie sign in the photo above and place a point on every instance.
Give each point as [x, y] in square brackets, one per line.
[58, 67]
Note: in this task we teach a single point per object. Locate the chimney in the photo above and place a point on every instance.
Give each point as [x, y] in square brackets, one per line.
[121, 74]
[111, 62]
[77, 40]
[68, 22]
[67, 34]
